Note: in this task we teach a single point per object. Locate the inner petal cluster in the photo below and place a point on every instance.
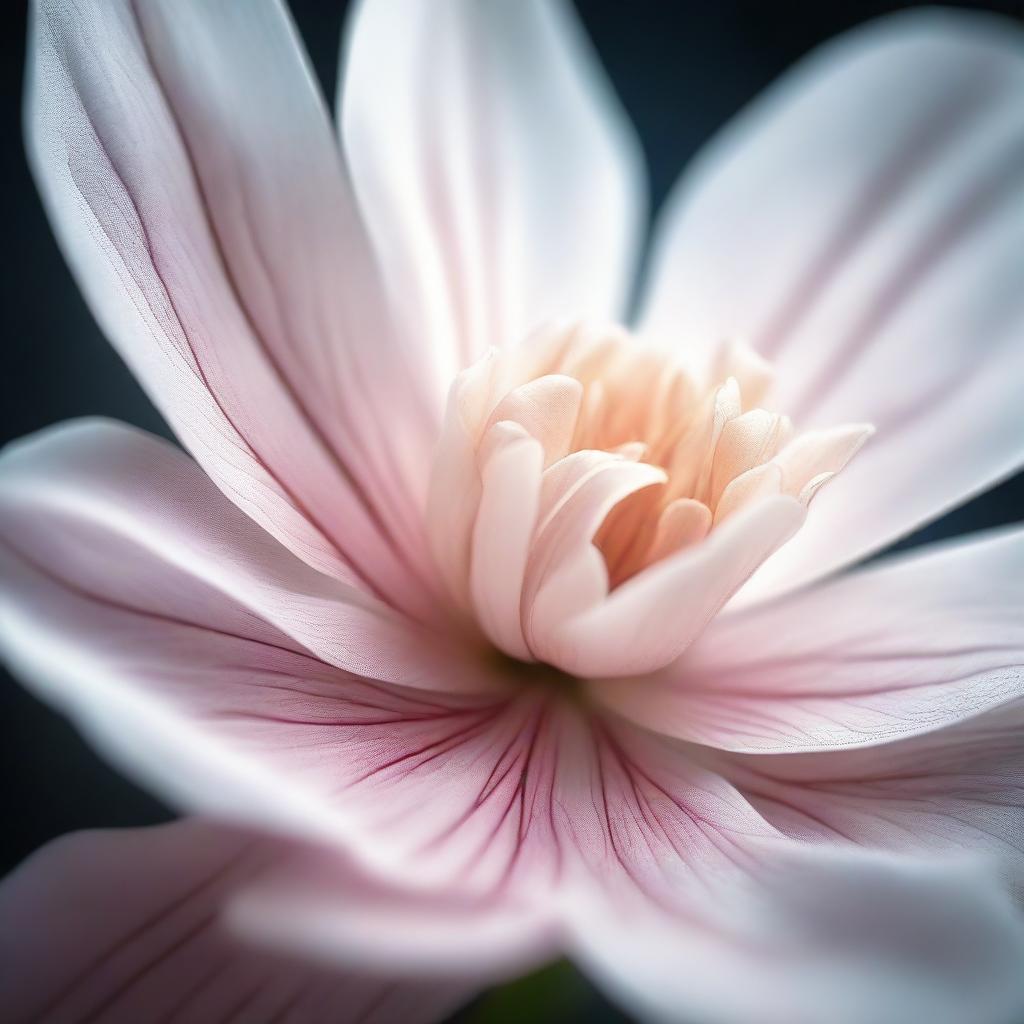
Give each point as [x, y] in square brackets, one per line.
[595, 501]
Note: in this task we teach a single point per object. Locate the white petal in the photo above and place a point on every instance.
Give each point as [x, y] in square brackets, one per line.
[499, 179]
[846, 936]
[888, 652]
[117, 512]
[130, 926]
[861, 226]
[193, 180]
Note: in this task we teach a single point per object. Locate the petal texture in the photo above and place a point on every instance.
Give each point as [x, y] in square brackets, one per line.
[844, 936]
[191, 175]
[499, 179]
[519, 805]
[858, 226]
[907, 916]
[503, 796]
[188, 665]
[949, 792]
[129, 926]
[197, 681]
[887, 652]
[119, 516]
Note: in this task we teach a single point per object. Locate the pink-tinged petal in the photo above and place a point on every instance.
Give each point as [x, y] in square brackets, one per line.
[178, 668]
[701, 909]
[709, 904]
[187, 667]
[683, 522]
[845, 936]
[946, 793]
[184, 668]
[304, 908]
[547, 409]
[565, 574]
[540, 802]
[887, 652]
[192, 177]
[130, 926]
[219, 712]
[118, 513]
[957, 790]
[505, 521]
[499, 179]
[646, 823]
[652, 617]
[860, 226]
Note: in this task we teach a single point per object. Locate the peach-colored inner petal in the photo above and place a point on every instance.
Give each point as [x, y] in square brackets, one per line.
[583, 459]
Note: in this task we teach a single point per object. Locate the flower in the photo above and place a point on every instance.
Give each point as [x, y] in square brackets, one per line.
[451, 680]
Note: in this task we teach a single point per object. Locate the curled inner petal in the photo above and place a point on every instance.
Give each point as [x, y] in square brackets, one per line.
[594, 502]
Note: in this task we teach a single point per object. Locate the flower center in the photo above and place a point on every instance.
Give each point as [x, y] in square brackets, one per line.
[583, 479]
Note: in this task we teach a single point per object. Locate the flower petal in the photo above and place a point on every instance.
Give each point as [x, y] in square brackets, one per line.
[453, 496]
[943, 794]
[128, 926]
[222, 714]
[710, 903]
[565, 573]
[306, 908]
[896, 649]
[193, 180]
[652, 617]
[500, 181]
[860, 227]
[174, 635]
[505, 520]
[691, 901]
[121, 516]
[497, 797]
[853, 935]
[958, 789]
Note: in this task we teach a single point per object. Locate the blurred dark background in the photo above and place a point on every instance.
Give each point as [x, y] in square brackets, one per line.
[682, 69]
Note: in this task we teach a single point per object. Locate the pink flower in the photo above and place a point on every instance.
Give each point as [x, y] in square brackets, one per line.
[427, 627]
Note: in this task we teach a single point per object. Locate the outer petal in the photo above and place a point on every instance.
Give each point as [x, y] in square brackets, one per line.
[844, 936]
[860, 226]
[710, 903]
[128, 926]
[694, 904]
[115, 512]
[945, 793]
[164, 637]
[959, 789]
[311, 908]
[191, 175]
[222, 712]
[887, 652]
[499, 180]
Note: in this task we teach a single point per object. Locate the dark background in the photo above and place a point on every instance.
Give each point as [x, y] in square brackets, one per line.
[682, 69]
